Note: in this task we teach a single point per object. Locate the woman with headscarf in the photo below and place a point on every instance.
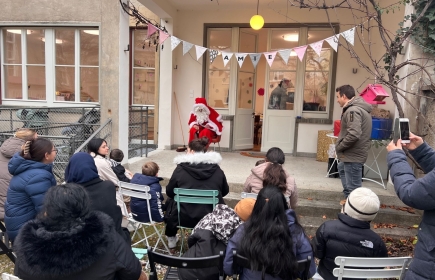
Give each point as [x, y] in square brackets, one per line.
[81, 170]
[70, 241]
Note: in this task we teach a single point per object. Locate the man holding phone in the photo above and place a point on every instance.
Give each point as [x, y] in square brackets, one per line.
[419, 194]
[353, 142]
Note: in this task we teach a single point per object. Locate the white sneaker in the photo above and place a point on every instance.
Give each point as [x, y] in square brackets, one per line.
[172, 241]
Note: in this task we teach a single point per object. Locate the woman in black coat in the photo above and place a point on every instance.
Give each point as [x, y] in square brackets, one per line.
[82, 170]
[195, 170]
[69, 241]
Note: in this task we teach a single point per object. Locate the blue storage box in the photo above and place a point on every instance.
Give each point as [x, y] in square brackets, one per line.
[381, 128]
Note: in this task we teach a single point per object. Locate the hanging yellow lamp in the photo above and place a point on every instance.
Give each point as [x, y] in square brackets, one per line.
[257, 21]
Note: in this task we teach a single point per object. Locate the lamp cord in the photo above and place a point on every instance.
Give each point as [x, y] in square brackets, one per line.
[258, 3]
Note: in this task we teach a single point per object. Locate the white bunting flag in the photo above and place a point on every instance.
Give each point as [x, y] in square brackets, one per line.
[285, 54]
[226, 56]
[255, 58]
[199, 51]
[317, 47]
[186, 47]
[349, 35]
[333, 41]
[270, 56]
[240, 58]
[213, 55]
[174, 42]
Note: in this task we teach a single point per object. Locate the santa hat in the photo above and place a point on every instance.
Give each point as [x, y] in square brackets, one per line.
[362, 204]
[214, 118]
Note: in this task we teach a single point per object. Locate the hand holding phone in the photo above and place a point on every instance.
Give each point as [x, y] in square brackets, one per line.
[415, 141]
[404, 130]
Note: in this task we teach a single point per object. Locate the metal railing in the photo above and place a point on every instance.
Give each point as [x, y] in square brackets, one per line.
[141, 131]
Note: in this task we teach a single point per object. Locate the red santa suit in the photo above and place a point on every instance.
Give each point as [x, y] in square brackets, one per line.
[206, 118]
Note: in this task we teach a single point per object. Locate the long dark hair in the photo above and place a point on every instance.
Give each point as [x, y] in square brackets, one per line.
[267, 241]
[199, 144]
[36, 149]
[94, 145]
[274, 174]
[64, 207]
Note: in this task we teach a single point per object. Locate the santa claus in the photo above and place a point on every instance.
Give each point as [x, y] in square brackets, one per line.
[204, 121]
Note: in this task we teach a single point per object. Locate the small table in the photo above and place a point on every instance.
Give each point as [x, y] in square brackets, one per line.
[370, 166]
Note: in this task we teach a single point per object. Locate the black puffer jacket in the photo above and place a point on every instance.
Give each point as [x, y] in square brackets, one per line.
[89, 250]
[197, 171]
[345, 237]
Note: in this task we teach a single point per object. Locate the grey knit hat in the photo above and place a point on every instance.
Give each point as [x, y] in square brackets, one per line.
[362, 204]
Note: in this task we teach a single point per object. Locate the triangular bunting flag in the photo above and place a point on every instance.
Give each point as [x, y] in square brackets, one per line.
[349, 35]
[151, 30]
[213, 55]
[300, 51]
[199, 51]
[226, 56]
[333, 41]
[317, 47]
[240, 58]
[162, 36]
[285, 54]
[186, 47]
[174, 42]
[270, 56]
[255, 58]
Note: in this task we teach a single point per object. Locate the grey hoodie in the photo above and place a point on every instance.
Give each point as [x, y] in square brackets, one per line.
[7, 150]
[353, 142]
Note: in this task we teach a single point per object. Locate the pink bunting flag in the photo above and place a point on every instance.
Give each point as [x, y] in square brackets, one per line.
[270, 57]
[300, 51]
[317, 47]
[151, 30]
[162, 36]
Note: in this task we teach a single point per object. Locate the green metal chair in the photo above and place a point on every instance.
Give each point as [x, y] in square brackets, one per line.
[193, 196]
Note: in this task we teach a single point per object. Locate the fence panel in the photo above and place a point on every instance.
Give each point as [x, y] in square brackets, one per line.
[141, 131]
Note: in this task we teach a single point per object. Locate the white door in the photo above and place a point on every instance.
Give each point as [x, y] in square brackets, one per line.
[244, 117]
[281, 98]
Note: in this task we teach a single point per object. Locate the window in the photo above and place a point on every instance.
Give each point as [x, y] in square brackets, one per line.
[28, 71]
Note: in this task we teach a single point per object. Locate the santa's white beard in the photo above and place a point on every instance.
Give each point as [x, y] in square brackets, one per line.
[201, 117]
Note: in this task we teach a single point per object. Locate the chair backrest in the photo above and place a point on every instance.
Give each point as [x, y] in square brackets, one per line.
[366, 267]
[240, 261]
[188, 263]
[137, 191]
[248, 195]
[7, 276]
[5, 244]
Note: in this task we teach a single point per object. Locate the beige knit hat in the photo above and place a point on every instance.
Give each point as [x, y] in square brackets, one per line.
[362, 204]
[244, 208]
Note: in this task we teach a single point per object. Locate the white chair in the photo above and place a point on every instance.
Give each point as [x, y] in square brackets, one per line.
[370, 268]
[142, 192]
[7, 276]
[248, 195]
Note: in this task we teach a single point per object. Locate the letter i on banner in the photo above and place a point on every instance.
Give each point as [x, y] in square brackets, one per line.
[270, 56]
[226, 56]
[255, 58]
[240, 58]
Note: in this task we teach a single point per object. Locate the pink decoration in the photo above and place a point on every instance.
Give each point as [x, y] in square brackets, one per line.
[374, 94]
[151, 30]
[163, 36]
[260, 91]
[300, 51]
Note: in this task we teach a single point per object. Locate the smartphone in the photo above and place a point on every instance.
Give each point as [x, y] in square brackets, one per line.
[404, 130]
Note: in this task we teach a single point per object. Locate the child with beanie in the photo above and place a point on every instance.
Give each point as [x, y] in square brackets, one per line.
[350, 235]
[139, 207]
[244, 208]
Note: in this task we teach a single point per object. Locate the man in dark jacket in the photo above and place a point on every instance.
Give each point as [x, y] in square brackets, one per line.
[417, 193]
[82, 170]
[350, 235]
[353, 142]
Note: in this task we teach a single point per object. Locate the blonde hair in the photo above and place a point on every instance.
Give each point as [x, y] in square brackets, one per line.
[26, 134]
[150, 169]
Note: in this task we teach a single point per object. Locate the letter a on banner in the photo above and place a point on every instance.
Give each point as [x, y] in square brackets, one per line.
[333, 41]
[270, 56]
[226, 56]
[255, 58]
[285, 54]
[174, 42]
[317, 47]
[300, 51]
[349, 35]
[186, 47]
[199, 51]
[240, 58]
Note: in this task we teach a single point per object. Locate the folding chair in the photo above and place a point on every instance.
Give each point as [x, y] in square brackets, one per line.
[5, 244]
[370, 268]
[186, 263]
[7, 276]
[142, 191]
[193, 196]
[240, 261]
[248, 195]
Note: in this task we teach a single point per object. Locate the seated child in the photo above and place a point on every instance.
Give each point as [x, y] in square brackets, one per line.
[139, 207]
[116, 156]
[244, 208]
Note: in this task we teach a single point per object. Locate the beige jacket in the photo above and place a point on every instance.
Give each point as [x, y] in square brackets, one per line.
[254, 183]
